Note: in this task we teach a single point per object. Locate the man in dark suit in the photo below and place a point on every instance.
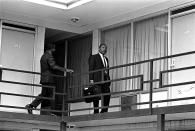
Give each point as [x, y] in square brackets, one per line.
[99, 61]
[48, 68]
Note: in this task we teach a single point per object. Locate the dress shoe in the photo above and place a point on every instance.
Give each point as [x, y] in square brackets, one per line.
[28, 107]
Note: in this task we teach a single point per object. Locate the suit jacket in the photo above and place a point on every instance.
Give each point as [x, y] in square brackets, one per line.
[47, 68]
[95, 63]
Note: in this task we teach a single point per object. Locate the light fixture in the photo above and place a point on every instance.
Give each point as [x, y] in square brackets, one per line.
[61, 4]
[74, 19]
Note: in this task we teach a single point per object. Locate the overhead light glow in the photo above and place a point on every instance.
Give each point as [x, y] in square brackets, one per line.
[61, 4]
[63, 1]
[48, 3]
[78, 3]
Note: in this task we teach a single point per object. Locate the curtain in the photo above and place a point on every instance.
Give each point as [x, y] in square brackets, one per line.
[79, 50]
[119, 45]
[150, 41]
[59, 56]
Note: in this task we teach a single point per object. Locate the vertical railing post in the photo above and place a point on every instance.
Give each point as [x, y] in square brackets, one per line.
[1, 71]
[102, 96]
[62, 126]
[160, 80]
[142, 82]
[161, 122]
[67, 83]
[70, 87]
[0, 74]
[63, 96]
[69, 91]
[151, 85]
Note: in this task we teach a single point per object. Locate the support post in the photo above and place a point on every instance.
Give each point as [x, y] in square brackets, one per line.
[63, 126]
[96, 40]
[161, 122]
[151, 86]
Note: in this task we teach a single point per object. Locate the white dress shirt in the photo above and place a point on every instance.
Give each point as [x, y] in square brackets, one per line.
[103, 60]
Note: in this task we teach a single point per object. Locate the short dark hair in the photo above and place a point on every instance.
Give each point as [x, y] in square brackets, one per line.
[49, 46]
[102, 44]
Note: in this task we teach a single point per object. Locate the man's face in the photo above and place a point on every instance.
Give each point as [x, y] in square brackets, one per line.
[53, 50]
[103, 49]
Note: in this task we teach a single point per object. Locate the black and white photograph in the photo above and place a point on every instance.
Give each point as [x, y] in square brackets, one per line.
[97, 65]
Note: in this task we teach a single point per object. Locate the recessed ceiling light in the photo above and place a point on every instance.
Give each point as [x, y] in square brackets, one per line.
[61, 4]
[74, 19]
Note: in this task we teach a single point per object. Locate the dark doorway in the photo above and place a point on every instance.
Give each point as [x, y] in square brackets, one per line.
[58, 38]
[60, 81]
[79, 50]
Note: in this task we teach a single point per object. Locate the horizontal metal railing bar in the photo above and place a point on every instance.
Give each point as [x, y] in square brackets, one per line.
[177, 84]
[102, 82]
[113, 106]
[154, 90]
[134, 92]
[175, 99]
[16, 70]
[14, 94]
[113, 93]
[141, 103]
[133, 104]
[135, 63]
[159, 101]
[21, 83]
[66, 111]
[178, 69]
[128, 93]
[30, 72]
[62, 94]
[18, 107]
[103, 94]
[148, 81]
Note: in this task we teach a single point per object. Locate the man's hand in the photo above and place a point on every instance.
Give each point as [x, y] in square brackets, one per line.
[91, 81]
[69, 70]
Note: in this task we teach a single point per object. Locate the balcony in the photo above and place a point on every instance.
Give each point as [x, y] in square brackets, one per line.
[153, 113]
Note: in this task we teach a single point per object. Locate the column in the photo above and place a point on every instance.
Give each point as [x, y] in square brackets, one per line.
[96, 40]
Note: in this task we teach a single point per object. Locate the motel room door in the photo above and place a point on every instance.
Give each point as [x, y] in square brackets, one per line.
[183, 40]
[17, 47]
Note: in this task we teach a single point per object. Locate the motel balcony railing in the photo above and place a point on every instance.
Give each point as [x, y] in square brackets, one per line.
[69, 86]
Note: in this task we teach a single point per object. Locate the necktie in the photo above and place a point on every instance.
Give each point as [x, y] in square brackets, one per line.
[105, 65]
[105, 62]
